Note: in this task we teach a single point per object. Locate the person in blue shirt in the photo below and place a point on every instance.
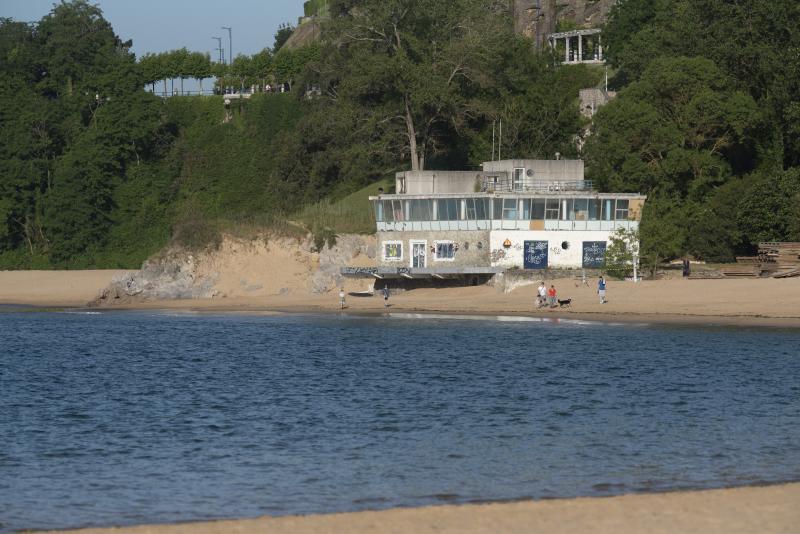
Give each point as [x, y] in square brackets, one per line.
[601, 290]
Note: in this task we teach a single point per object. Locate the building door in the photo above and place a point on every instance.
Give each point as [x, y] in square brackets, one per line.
[535, 254]
[418, 254]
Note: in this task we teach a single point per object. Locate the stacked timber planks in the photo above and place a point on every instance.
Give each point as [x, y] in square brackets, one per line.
[740, 271]
[779, 260]
[705, 274]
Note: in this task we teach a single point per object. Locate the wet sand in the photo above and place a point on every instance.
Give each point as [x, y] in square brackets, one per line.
[766, 510]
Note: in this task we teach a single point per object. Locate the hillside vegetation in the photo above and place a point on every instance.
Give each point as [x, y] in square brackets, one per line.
[97, 172]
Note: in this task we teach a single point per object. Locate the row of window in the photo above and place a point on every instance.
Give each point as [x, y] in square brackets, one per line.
[442, 250]
[509, 209]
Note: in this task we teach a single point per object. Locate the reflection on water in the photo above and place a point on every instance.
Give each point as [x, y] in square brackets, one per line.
[122, 418]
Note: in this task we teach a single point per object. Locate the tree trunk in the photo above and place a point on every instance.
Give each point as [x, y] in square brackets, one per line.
[201, 86]
[417, 164]
[181, 85]
[165, 87]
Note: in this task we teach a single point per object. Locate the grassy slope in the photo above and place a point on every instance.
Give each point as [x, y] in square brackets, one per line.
[352, 214]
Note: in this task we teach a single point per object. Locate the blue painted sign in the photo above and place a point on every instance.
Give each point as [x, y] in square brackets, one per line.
[535, 254]
[594, 254]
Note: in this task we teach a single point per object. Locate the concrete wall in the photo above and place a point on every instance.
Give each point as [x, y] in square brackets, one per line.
[485, 248]
[473, 248]
[428, 182]
[543, 169]
[571, 258]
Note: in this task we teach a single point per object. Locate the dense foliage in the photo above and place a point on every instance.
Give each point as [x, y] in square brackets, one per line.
[96, 171]
[706, 123]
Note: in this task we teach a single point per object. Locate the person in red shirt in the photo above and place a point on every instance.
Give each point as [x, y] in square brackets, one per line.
[551, 295]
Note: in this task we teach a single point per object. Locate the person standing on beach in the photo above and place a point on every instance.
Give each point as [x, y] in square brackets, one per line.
[601, 290]
[385, 296]
[341, 298]
[541, 299]
[551, 293]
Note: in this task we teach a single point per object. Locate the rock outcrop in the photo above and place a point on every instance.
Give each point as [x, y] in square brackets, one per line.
[538, 18]
[168, 277]
[243, 268]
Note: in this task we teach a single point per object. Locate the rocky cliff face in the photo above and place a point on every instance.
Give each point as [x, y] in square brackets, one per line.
[537, 18]
[244, 268]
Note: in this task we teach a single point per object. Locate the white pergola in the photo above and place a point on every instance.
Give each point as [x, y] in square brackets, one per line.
[574, 49]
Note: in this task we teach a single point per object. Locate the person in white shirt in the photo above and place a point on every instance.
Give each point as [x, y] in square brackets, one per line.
[542, 298]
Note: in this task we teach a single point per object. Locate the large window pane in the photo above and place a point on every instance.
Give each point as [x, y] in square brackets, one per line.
[447, 209]
[608, 209]
[482, 209]
[552, 209]
[526, 209]
[581, 209]
[570, 209]
[420, 210]
[445, 250]
[387, 210]
[378, 211]
[510, 209]
[538, 209]
[622, 210]
[470, 209]
[595, 206]
[393, 250]
[397, 209]
[497, 211]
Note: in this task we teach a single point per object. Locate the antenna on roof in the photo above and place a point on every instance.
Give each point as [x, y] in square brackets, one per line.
[493, 125]
[500, 144]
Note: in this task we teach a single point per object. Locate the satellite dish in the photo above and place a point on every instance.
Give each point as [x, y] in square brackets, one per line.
[529, 173]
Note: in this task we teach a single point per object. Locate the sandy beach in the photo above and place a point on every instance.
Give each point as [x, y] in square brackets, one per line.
[748, 302]
[769, 509]
[53, 288]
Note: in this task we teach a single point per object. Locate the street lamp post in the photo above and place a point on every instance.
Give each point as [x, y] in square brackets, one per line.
[220, 49]
[230, 43]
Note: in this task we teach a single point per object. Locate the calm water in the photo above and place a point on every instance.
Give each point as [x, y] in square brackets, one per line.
[121, 418]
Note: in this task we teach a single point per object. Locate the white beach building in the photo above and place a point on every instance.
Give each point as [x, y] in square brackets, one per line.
[512, 214]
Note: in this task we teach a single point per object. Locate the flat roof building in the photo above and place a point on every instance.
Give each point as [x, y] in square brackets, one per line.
[512, 214]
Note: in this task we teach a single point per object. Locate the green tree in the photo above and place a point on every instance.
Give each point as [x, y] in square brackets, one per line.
[412, 68]
[261, 67]
[663, 230]
[622, 251]
[242, 70]
[281, 36]
[682, 128]
[769, 210]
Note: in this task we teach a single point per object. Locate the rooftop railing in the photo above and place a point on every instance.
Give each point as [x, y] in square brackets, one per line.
[492, 184]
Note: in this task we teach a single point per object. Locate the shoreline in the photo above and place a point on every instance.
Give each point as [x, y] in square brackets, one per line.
[257, 308]
[769, 303]
[761, 508]
[549, 317]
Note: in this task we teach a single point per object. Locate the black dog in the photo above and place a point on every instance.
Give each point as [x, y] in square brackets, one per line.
[565, 303]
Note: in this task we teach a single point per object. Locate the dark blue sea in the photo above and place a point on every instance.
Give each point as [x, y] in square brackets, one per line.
[123, 418]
